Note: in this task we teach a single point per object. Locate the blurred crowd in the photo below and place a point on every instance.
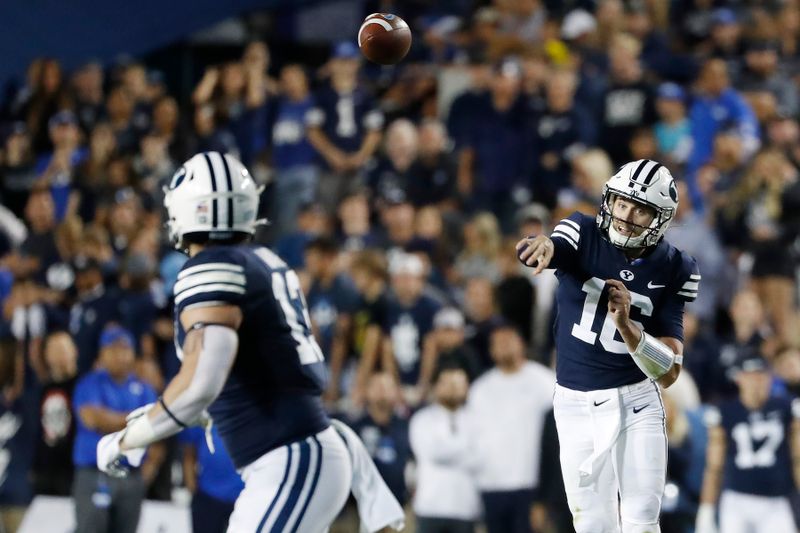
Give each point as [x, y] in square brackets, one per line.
[397, 193]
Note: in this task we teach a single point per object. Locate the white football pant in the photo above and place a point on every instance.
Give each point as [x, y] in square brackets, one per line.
[627, 479]
[300, 487]
[748, 513]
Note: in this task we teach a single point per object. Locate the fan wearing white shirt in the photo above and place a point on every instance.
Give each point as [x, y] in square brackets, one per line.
[507, 408]
[446, 500]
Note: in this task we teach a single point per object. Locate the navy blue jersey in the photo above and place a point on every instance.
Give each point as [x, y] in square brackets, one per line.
[591, 352]
[272, 395]
[407, 328]
[345, 118]
[290, 145]
[757, 456]
[327, 304]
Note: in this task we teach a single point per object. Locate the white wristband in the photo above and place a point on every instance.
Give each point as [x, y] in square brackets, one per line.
[652, 356]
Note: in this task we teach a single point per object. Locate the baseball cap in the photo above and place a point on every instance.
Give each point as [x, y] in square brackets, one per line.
[751, 361]
[448, 318]
[138, 265]
[345, 50]
[532, 213]
[403, 263]
[62, 118]
[671, 91]
[113, 334]
[509, 67]
[578, 22]
[394, 196]
[723, 16]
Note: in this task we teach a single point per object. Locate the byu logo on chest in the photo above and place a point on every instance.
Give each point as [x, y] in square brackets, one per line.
[626, 275]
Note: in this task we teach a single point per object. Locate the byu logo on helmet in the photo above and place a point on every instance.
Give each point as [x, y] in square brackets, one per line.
[645, 182]
[217, 202]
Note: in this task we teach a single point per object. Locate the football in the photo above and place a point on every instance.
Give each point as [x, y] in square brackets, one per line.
[384, 38]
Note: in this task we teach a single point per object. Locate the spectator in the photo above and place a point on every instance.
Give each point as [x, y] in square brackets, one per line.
[445, 347]
[590, 170]
[726, 40]
[18, 433]
[93, 309]
[120, 107]
[395, 169]
[493, 170]
[434, 178]
[312, 221]
[293, 158]
[762, 75]
[673, 132]
[38, 252]
[331, 303]
[508, 452]
[461, 119]
[446, 499]
[166, 124]
[87, 86]
[717, 107]
[102, 400]
[385, 433]
[482, 317]
[409, 318]
[397, 216]
[211, 136]
[482, 247]
[49, 95]
[16, 168]
[356, 231]
[345, 125]
[53, 467]
[369, 272]
[629, 100]
[561, 132]
[212, 480]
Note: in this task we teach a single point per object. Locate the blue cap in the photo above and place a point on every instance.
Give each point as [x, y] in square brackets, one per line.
[345, 50]
[62, 117]
[723, 16]
[113, 334]
[671, 91]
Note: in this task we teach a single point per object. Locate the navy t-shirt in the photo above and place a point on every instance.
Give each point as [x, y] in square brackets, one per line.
[290, 146]
[406, 327]
[326, 304]
[591, 354]
[390, 450]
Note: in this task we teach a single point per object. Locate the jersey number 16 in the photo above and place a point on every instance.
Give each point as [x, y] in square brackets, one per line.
[583, 330]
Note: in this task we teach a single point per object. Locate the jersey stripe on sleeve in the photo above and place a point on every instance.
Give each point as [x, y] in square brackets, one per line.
[690, 288]
[208, 278]
[568, 231]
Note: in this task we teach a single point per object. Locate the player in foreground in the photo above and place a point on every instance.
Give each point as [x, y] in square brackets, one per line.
[620, 300]
[245, 343]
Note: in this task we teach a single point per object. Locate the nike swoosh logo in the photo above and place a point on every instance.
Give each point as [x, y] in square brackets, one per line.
[651, 285]
[637, 409]
[601, 403]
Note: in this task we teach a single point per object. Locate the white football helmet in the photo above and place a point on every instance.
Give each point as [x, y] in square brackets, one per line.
[211, 197]
[646, 182]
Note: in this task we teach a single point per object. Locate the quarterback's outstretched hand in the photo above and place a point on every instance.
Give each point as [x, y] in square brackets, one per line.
[619, 302]
[112, 460]
[535, 252]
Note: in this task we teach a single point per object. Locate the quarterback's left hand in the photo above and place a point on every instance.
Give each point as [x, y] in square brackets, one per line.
[112, 460]
[619, 302]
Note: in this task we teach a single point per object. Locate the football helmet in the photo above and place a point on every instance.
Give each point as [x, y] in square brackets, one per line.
[211, 197]
[646, 182]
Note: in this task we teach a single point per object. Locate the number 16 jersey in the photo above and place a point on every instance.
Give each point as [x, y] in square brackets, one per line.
[591, 354]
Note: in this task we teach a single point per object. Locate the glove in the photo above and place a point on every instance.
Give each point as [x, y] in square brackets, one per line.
[705, 521]
[113, 461]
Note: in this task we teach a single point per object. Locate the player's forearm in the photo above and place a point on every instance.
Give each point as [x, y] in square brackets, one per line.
[712, 481]
[631, 334]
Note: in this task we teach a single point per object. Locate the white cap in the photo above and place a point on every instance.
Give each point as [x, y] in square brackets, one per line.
[448, 317]
[404, 263]
[577, 22]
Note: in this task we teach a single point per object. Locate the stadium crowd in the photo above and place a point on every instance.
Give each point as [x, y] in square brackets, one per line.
[397, 194]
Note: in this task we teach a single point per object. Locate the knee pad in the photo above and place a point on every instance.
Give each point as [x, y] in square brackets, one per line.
[640, 514]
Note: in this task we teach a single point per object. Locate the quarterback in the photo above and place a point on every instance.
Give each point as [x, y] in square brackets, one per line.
[619, 331]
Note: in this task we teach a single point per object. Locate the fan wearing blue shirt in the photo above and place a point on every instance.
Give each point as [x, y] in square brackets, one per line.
[102, 399]
[212, 479]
